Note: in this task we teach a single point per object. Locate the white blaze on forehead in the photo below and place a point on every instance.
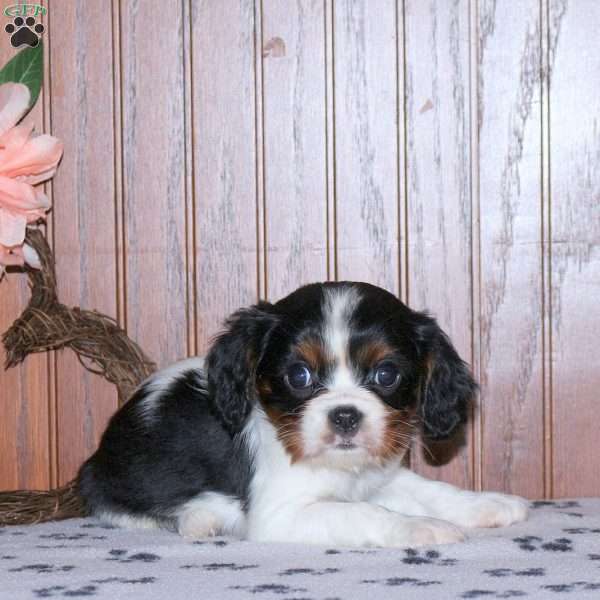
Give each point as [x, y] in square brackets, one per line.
[339, 305]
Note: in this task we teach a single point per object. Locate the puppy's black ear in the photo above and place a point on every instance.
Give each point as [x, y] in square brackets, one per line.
[232, 360]
[448, 387]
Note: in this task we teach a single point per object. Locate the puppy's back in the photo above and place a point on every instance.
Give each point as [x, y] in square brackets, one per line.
[163, 448]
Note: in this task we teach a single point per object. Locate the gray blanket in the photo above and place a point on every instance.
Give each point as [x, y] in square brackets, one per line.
[555, 554]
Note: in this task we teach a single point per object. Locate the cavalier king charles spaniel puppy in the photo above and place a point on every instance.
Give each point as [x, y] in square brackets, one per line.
[294, 428]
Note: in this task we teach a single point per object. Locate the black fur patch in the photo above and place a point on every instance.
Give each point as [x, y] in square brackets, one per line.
[232, 363]
[151, 465]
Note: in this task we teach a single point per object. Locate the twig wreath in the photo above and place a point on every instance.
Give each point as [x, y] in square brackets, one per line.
[101, 346]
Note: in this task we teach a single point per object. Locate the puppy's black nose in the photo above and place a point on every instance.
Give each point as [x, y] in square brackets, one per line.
[345, 420]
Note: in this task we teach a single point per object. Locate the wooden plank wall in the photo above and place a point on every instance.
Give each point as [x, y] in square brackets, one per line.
[221, 152]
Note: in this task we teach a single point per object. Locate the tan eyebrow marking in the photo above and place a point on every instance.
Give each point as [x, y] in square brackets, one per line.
[373, 352]
[312, 351]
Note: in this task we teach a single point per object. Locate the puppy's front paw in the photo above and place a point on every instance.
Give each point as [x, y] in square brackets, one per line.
[490, 509]
[198, 524]
[422, 531]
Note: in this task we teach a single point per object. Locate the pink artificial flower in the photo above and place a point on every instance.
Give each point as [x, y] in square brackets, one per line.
[24, 161]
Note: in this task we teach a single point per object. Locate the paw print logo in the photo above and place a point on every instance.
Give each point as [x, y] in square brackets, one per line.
[24, 31]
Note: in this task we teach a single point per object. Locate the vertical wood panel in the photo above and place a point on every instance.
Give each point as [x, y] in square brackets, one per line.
[330, 140]
[511, 261]
[154, 176]
[24, 397]
[294, 144]
[190, 217]
[546, 263]
[84, 213]
[575, 223]
[476, 426]
[439, 202]
[24, 390]
[225, 188]
[366, 141]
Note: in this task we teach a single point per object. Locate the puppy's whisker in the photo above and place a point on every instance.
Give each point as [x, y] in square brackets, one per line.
[421, 444]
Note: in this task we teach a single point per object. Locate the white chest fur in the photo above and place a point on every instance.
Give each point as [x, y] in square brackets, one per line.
[279, 488]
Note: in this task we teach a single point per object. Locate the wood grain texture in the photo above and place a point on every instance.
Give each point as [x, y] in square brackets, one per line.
[510, 245]
[153, 106]
[218, 152]
[575, 244]
[330, 140]
[24, 390]
[366, 141]
[295, 178]
[225, 182]
[24, 399]
[84, 214]
[439, 187]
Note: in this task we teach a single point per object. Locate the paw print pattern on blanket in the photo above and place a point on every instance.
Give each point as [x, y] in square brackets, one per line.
[553, 555]
[92, 589]
[575, 586]
[64, 591]
[557, 504]
[142, 580]
[306, 571]
[218, 543]
[493, 594]
[59, 540]
[62, 537]
[42, 568]
[123, 556]
[219, 567]
[581, 530]
[427, 557]
[531, 543]
[400, 581]
[531, 572]
[347, 551]
[274, 588]
[417, 557]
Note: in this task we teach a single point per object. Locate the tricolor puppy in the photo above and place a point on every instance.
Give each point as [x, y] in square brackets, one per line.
[294, 430]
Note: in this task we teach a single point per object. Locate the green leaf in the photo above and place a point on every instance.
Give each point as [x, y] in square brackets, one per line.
[26, 67]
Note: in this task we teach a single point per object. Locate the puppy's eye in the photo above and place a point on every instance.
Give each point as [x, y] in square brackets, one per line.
[299, 377]
[387, 375]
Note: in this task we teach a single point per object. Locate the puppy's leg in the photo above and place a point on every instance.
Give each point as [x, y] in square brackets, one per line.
[210, 514]
[409, 493]
[126, 520]
[350, 524]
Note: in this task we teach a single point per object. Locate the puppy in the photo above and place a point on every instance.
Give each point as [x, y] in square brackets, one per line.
[294, 430]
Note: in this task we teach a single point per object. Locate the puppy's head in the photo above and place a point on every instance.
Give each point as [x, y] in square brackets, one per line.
[343, 371]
